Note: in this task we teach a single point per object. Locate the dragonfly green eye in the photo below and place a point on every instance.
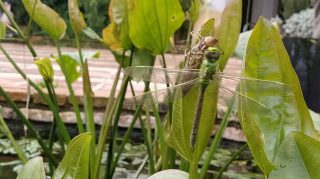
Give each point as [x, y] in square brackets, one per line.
[212, 53]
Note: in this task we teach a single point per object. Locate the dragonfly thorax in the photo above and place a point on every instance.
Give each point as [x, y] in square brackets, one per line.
[212, 54]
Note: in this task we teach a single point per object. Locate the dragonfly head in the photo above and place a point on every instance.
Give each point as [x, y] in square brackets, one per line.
[212, 53]
[210, 41]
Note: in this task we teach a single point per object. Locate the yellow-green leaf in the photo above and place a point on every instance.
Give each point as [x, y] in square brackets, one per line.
[297, 158]
[265, 128]
[76, 17]
[33, 169]
[45, 68]
[46, 18]
[75, 163]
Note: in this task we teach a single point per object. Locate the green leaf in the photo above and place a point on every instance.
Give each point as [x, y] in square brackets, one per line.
[227, 28]
[266, 128]
[183, 116]
[268, 56]
[46, 18]
[153, 22]
[2, 30]
[33, 169]
[297, 157]
[75, 163]
[45, 68]
[77, 21]
[141, 57]
[72, 62]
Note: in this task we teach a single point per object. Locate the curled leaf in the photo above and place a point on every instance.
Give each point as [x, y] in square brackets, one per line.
[45, 68]
[76, 17]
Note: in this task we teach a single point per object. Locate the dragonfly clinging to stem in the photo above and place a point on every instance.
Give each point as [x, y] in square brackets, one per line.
[208, 74]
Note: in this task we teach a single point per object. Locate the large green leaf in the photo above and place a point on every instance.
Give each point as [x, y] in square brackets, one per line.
[153, 22]
[227, 28]
[46, 18]
[266, 128]
[75, 163]
[33, 169]
[268, 56]
[298, 157]
[178, 134]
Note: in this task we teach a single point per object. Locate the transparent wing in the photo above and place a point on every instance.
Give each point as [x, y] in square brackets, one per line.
[160, 75]
[253, 95]
[160, 95]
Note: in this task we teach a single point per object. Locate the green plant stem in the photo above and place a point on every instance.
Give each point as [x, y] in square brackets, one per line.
[88, 105]
[42, 94]
[118, 109]
[216, 142]
[73, 99]
[234, 157]
[19, 31]
[106, 122]
[110, 160]
[147, 136]
[4, 128]
[141, 167]
[184, 165]
[162, 144]
[25, 121]
[193, 171]
[128, 133]
[53, 99]
[170, 151]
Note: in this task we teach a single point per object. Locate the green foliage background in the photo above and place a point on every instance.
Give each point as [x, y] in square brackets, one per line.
[95, 13]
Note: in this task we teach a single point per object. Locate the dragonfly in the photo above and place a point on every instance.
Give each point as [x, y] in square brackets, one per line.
[208, 74]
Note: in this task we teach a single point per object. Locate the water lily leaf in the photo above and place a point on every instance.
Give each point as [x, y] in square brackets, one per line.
[297, 157]
[2, 30]
[45, 68]
[267, 59]
[75, 163]
[153, 22]
[46, 18]
[33, 169]
[77, 21]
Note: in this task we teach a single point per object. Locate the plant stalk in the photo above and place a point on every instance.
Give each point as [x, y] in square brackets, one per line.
[25, 121]
[73, 99]
[42, 94]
